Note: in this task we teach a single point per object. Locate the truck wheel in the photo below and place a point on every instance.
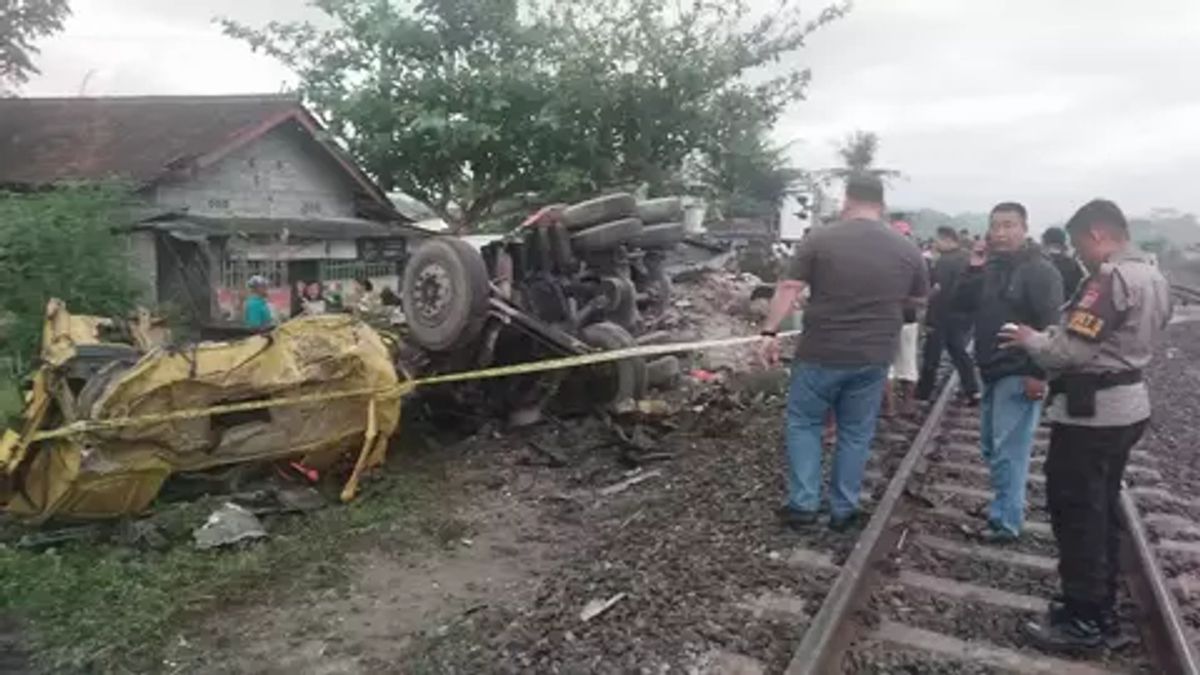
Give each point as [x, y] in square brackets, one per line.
[607, 236]
[663, 235]
[445, 293]
[599, 210]
[609, 384]
[664, 210]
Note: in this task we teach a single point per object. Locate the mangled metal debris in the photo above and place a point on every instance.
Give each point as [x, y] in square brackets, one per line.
[103, 473]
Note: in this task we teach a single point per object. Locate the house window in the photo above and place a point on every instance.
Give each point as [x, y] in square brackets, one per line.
[345, 270]
[310, 208]
[218, 203]
[236, 272]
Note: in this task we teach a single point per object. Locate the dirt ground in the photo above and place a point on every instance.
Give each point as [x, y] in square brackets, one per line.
[540, 533]
[680, 555]
[673, 525]
[397, 598]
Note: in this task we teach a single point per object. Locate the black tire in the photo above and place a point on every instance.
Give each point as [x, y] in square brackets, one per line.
[663, 210]
[607, 236]
[599, 210]
[663, 235]
[618, 381]
[445, 293]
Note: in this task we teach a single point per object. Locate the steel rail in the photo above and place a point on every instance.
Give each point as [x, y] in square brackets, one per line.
[1166, 632]
[824, 639]
[830, 631]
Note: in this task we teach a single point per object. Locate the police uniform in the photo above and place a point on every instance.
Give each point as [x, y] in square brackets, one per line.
[1099, 406]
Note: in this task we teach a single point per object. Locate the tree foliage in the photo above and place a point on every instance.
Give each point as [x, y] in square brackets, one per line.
[467, 103]
[858, 153]
[22, 22]
[749, 177]
[60, 244]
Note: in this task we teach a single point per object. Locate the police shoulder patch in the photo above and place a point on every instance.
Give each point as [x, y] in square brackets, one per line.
[1085, 324]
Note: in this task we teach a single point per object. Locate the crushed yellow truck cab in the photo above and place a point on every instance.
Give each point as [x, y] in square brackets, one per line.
[199, 406]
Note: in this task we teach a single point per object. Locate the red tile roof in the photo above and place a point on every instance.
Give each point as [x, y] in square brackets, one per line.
[144, 138]
[46, 140]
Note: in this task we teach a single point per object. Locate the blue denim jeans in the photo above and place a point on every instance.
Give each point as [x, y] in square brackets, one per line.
[1009, 420]
[854, 394]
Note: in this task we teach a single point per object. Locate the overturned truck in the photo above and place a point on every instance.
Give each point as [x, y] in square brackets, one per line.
[569, 280]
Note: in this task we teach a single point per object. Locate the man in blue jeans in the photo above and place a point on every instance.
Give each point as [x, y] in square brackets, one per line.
[861, 274]
[1011, 282]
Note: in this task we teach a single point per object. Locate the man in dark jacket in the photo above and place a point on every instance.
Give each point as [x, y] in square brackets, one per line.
[947, 327]
[1054, 243]
[1014, 283]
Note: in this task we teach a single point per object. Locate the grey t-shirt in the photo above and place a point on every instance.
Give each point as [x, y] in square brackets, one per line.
[861, 272]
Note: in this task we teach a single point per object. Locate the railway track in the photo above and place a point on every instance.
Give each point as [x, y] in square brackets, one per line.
[918, 592]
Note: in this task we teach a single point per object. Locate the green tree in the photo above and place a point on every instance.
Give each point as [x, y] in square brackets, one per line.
[749, 177]
[21, 23]
[61, 244]
[858, 152]
[465, 104]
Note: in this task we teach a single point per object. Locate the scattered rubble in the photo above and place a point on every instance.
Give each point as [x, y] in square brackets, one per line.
[228, 525]
[711, 305]
[597, 607]
[618, 488]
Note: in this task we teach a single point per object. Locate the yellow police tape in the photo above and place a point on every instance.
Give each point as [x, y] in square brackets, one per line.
[403, 388]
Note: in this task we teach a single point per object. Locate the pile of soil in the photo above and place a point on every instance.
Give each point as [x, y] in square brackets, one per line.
[711, 305]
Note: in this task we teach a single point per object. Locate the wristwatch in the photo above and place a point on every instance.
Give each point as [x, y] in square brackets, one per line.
[769, 333]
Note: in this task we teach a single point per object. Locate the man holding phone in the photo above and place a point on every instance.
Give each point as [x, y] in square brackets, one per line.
[1008, 281]
[1100, 408]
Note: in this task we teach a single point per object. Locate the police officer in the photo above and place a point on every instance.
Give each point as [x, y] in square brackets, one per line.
[1099, 408]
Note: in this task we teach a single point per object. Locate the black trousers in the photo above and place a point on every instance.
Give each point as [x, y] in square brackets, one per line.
[1083, 487]
[949, 334]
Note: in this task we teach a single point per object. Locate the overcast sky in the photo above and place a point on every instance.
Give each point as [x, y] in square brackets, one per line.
[1049, 102]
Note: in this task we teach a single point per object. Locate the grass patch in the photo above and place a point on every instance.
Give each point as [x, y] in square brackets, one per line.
[104, 607]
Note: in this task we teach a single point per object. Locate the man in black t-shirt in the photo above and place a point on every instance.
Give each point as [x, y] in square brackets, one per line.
[862, 274]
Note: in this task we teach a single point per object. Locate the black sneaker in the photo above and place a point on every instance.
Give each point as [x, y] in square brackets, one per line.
[1065, 634]
[796, 518]
[1116, 638]
[844, 523]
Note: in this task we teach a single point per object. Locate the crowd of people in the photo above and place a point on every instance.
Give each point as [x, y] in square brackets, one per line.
[1033, 331]
[314, 298]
